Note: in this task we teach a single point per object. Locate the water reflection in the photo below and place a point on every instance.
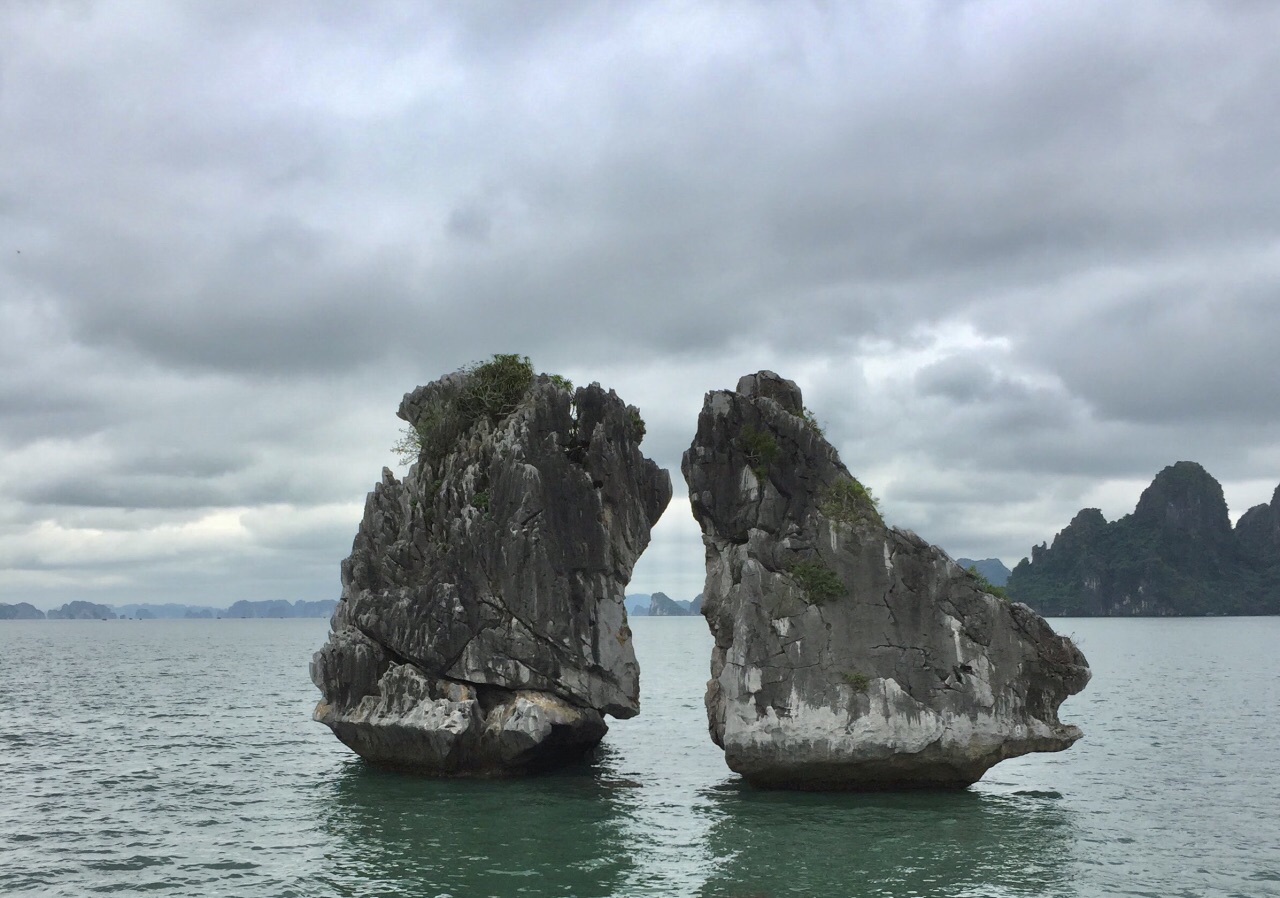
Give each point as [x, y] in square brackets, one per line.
[555, 835]
[947, 845]
[575, 833]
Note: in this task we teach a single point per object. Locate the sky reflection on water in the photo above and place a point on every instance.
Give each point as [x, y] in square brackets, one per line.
[178, 758]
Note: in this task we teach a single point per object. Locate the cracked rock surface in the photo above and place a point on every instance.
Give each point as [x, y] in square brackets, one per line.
[481, 628]
[849, 654]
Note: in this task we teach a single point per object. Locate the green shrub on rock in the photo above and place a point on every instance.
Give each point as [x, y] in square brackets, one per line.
[438, 427]
[494, 388]
[857, 680]
[760, 448]
[491, 389]
[637, 422]
[986, 585]
[818, 581]
[811, 420]
[849, 502]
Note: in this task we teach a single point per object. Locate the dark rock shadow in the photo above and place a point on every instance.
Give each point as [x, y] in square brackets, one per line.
[555, 834]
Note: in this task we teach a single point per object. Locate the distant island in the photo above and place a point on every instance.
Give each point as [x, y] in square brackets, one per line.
[992, 569]
[80, 610]
[1176, 554]
[281, 608]
[659, 604]
[20, 611]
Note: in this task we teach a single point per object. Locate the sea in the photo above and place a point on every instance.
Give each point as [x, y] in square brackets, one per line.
[173, 757]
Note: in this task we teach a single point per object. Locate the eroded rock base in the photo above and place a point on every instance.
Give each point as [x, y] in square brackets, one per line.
[442, 728]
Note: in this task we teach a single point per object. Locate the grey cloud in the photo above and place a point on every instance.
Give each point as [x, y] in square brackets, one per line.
[756, 192]
[143, 477]
[1174, 354]
[29, 412]
[470, 222]
[246, 229]
[119, 492]
[960, 380]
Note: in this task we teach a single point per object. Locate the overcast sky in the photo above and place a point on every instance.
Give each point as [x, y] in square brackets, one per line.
[1020, 256]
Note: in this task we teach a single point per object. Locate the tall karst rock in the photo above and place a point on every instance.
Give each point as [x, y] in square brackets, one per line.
[849, 654]
[662, 605]
[481, 628]
[1176, 554]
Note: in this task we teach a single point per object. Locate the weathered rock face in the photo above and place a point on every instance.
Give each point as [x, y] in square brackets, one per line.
[848, 654]
[481, 628]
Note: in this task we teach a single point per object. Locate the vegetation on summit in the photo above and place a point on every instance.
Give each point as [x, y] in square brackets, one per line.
[485, 390]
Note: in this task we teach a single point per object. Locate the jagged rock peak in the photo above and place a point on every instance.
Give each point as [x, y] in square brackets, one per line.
[1184, 496]
[849, 654]
[481, 628]
[1091, 518]
[768, 385]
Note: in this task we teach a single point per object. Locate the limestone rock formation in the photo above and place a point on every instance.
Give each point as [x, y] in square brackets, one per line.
[849, 654]
[662, 605]
[20, 611]
[81, 610]
[1176, 554]
[481, 628]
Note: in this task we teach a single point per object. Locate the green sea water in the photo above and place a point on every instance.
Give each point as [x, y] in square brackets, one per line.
[178, 758]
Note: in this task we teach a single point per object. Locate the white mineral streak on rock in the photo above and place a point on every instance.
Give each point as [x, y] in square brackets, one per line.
[910, 675]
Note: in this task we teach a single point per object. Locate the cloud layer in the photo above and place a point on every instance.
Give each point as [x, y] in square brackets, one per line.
[1019, 257]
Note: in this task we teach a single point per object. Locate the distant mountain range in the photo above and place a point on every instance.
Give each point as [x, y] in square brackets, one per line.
[20, 611]
[1176, 554]
[991, 568]
[659, 604]
[92, 611]
[281, 608]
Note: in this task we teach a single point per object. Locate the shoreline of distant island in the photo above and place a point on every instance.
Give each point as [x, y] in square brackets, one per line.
[81, 610]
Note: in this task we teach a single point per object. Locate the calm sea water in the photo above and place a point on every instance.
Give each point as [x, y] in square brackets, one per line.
[178, 758]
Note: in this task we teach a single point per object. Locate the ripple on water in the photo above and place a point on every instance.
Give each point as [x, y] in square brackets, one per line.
[178, 758]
